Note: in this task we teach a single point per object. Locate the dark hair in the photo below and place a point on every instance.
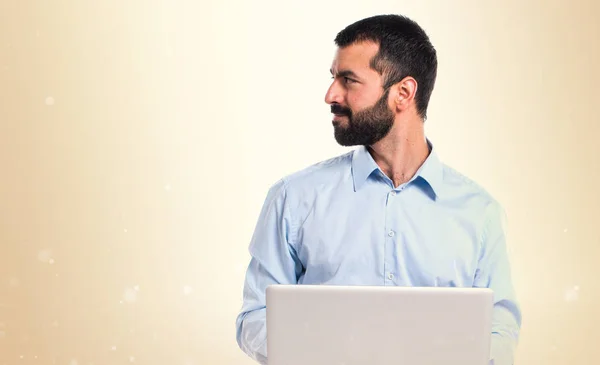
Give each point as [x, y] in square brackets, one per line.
[404, 50]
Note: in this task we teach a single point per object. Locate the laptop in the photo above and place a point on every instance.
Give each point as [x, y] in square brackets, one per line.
[378, 325]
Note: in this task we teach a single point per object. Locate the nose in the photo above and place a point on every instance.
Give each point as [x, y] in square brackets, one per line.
[334, 94]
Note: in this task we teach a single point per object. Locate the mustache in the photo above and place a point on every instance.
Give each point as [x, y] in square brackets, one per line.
[340, 110]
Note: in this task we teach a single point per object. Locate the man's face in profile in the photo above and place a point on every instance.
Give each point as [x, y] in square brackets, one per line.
[362, 115]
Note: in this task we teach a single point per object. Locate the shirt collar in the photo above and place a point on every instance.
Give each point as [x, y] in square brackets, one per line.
[431, 171]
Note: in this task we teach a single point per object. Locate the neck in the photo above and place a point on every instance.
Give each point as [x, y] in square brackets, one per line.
[402, 152]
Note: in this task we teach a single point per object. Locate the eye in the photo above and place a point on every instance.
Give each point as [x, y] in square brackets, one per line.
[346, 79]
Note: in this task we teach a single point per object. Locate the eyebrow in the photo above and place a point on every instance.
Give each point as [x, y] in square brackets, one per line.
[346, 73]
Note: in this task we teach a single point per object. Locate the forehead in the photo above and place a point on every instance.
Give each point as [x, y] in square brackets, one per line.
[355, 57]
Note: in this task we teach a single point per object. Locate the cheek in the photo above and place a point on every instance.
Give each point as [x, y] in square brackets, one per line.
[355, 100]
[360, 100]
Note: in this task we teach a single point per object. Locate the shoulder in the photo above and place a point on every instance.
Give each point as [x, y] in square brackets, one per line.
[459, 184]
[293, 194]
[473, 197]
[322, 172]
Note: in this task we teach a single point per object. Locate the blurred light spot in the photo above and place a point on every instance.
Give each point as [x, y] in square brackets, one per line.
[49, 101]
[572, 294]
[13, 282]
[45, 255]
[125, 230]
[565, 230]
[168, 187]
[2, 334]
[187, 290]
[131, 359]
[130, 295]
[51, 261]
[73, 362]
[114, 348]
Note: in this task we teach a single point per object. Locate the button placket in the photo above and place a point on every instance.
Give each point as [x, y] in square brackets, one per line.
[389, 243]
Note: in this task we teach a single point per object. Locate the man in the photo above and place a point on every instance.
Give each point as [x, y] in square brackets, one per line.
[389, 212]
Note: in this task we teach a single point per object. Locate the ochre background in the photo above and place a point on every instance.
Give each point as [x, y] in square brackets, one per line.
[139, 138]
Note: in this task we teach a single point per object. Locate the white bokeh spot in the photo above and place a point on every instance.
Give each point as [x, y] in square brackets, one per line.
[572, 294]
[49, 101]
[14, 282]
[187, 290]
[45, 256]
[130, 295]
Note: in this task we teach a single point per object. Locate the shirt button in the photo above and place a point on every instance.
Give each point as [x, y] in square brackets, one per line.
[393, 193]
[391, 234]
[390, 276]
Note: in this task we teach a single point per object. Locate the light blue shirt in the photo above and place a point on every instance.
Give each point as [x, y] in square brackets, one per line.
[342, 222]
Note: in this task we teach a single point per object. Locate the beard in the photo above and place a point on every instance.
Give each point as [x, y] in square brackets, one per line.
[365, 127]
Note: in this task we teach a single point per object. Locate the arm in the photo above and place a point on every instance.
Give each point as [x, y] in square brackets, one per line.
[494, 272]
[273, 261]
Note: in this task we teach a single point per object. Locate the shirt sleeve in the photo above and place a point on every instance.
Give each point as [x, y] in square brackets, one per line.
[494, 272]
[273, 261]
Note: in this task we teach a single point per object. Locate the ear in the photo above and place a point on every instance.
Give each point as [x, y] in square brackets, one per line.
[404, 93]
